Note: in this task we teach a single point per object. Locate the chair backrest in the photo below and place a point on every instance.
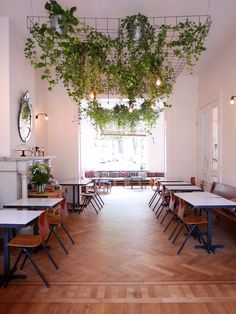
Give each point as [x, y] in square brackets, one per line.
[181, 208]
[172, 201]
[63, 209]
[193, 180]
[202, 184]
[223, 190]
[163, 193]
[43, 226]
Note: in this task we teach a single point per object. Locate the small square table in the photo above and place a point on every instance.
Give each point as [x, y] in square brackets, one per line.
[34, 203]
[76, 183]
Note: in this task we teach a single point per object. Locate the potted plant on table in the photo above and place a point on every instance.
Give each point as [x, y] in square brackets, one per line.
[40, 175]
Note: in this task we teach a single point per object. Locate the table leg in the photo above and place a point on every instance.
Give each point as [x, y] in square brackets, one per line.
[78, 195]
[73, 197]
[208, 245]
[6, 260]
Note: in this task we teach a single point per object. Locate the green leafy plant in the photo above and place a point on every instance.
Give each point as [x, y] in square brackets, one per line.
[90, 63]
[25, 111]
[40, 173]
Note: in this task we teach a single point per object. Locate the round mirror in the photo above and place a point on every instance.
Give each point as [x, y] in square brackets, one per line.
[25, 118]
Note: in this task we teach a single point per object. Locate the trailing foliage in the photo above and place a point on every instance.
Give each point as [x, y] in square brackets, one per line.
[90, 63]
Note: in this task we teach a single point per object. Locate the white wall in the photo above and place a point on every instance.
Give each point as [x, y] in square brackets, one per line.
[220, 75]
[21, 79]
[62, 134]
[4, 88]
[181, 129]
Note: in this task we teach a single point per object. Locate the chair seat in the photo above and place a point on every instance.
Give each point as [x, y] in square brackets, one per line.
[194, 220]
[26, 241]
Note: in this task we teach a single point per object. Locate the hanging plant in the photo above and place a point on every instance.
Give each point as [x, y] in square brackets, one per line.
[134, 65]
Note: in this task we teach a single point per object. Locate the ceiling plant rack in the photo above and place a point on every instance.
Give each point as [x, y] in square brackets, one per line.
[137, 58]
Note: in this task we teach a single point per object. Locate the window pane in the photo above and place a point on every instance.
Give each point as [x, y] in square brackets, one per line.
[204, 140]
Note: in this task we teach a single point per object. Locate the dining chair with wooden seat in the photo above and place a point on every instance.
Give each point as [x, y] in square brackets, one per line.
[157, 192]
[165, 197]
[191, 222]
[28, 245]
[57, 220]
[172, 208]
[93, 189]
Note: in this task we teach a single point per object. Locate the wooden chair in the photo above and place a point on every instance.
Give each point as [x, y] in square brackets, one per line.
[58, 220]
[92, 197]
[172, 209]
[164, 203]
[157, 192]
[192, 224]
[28, 245]
[193, 180]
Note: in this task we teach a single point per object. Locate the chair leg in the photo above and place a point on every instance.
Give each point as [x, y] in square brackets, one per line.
[49, 256]
[167, 212]
[94, 207]
[100, 198]
[160, 211]
[66, 231]
[97, 203]
[24, 261]
[153, 198]
[159, 207]
[37, 268]
[48, 236]
[173, 232]
[59, 240]
[169, 223]
[178, 233]
[186, 239]
[156, 204]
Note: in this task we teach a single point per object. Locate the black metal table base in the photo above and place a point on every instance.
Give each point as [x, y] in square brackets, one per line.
[4, 279]
[209, 248]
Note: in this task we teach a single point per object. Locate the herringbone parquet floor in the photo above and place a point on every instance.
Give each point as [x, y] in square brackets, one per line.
[122, 262]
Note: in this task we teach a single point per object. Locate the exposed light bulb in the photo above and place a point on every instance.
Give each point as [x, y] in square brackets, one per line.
[158, 82]
[232, 100]
[91, 95]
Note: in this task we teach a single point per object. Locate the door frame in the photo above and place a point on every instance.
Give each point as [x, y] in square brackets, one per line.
[207, 174]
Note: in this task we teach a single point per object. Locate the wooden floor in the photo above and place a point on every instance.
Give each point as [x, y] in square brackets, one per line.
[122, 262]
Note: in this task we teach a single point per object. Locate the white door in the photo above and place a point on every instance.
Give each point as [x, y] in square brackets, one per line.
[210, 143]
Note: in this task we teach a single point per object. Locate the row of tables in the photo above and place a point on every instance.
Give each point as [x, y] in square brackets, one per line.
[199, 200]
[11, 217]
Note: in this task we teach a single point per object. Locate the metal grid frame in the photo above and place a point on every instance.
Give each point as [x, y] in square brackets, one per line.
[110, 27]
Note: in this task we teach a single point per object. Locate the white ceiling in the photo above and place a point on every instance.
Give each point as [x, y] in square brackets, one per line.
[222, 12]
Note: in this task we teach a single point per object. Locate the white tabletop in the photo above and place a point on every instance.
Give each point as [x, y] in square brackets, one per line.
[168, 180]
[206, 200]
[183, 188]
[34, 203]
[76, 182]
[175, 183]
[17, 218]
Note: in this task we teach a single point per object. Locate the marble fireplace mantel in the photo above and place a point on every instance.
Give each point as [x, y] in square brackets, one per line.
[13, 176]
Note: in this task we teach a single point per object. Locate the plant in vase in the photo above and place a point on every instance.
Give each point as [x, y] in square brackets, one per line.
[40, 175]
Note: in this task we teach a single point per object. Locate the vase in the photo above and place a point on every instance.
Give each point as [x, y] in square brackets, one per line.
[40, 188]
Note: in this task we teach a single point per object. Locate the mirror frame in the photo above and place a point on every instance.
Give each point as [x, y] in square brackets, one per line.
[25, 122]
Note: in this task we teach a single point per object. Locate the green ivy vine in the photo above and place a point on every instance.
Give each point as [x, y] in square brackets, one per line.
[90, 63]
